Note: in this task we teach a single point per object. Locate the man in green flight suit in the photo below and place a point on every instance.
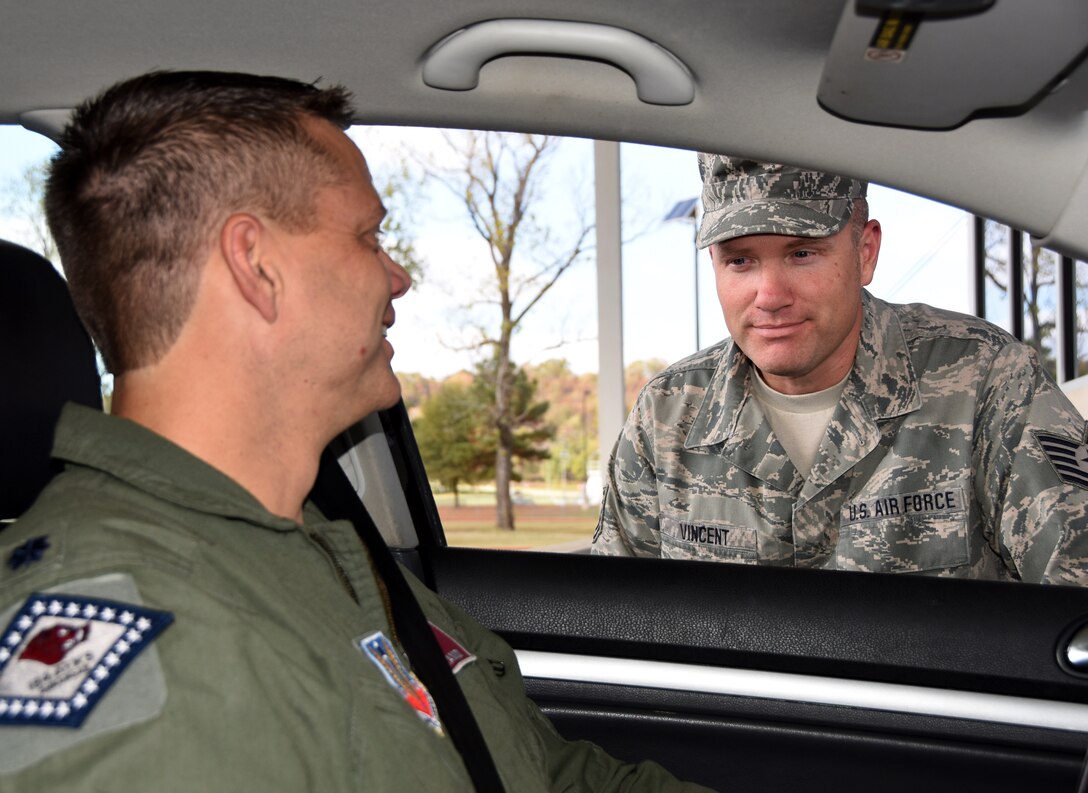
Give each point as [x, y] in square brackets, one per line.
[178, 616]
[833, 430]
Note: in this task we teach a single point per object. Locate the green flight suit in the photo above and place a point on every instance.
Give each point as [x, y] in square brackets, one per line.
[260, 682]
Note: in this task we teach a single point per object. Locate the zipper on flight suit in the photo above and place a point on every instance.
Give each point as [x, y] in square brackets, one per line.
[323, 544]
[383, 593]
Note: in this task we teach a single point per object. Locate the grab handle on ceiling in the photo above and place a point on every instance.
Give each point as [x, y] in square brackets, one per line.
[660, 78]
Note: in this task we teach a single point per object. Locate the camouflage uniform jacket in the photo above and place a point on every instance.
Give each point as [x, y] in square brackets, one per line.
[951, 452]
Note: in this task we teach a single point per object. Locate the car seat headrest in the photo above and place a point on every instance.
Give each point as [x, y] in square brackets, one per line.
[47, 359]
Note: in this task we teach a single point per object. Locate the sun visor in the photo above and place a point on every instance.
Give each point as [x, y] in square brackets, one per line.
[50, 123]
[935, 64]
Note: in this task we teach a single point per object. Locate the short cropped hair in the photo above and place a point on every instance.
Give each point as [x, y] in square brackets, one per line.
[858, 218]
[149, 169]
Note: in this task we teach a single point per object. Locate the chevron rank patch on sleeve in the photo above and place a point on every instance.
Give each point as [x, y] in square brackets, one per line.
[1068, 457]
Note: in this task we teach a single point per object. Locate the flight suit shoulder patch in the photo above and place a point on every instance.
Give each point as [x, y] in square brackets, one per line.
[62, 652]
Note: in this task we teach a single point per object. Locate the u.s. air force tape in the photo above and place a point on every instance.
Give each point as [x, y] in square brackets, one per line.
[77, 657]
[923, 503]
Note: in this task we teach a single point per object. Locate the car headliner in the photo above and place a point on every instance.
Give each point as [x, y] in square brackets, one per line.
[757, 67]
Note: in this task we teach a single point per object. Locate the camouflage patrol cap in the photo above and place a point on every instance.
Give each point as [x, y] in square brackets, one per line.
[742, 197]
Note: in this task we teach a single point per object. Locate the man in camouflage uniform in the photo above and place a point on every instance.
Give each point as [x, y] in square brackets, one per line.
[834, 430]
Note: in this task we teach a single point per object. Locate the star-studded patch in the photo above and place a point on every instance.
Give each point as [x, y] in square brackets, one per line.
[61, 653]
[1069, 457]
[384, 655]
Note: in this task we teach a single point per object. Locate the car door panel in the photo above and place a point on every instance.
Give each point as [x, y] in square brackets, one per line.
[779, 678]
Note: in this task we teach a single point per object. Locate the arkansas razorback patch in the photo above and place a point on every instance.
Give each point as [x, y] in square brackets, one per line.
[82, 647]
[60, 654]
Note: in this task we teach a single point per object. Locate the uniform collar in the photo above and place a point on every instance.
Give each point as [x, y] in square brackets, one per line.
[149, 462]
[882, 382]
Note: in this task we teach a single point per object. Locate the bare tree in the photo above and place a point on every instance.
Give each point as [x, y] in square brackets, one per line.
[498, 177]
[23, 202]
[403, 194]
[1040, 275]
[399, 191]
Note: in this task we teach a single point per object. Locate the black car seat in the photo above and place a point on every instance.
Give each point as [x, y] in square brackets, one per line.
[47, 359]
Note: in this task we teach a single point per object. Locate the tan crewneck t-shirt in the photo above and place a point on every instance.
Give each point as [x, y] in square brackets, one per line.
[799, 421]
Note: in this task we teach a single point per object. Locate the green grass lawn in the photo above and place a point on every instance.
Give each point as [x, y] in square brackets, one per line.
[540, 524]
[527, 534]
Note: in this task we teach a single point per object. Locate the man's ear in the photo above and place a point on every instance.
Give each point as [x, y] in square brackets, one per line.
[869, 250]
[244, 243]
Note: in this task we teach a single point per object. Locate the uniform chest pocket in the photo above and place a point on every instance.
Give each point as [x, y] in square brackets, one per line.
[906, 533]
[693, 538]
[712, 541]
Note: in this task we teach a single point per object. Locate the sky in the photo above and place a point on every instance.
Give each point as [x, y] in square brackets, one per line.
[19, 149]
[924, 256]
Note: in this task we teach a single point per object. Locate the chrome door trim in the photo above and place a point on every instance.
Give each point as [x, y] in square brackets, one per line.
[894, 697]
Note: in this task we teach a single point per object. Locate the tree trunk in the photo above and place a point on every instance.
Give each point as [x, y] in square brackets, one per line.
[504, 451]
[504, 506]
